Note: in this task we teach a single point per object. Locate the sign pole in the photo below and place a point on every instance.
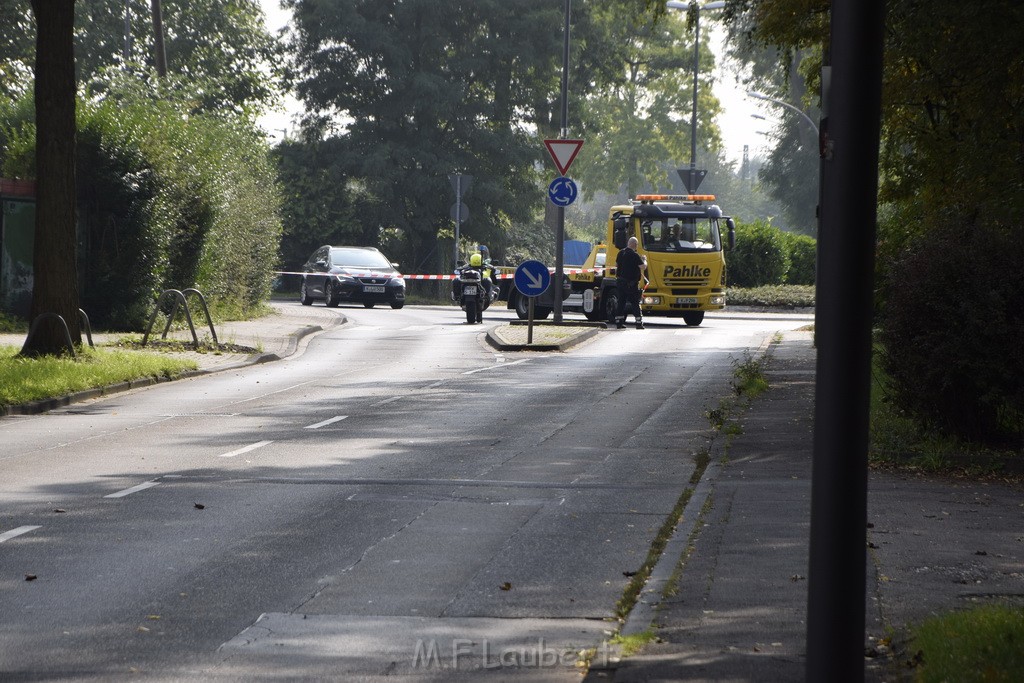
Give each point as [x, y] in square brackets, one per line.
[458, 217]
[556, 295]
[529, 322]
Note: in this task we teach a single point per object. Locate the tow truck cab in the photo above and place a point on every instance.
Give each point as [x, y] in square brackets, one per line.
[682, 239]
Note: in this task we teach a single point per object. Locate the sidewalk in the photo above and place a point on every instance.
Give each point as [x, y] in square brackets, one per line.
[737, 610]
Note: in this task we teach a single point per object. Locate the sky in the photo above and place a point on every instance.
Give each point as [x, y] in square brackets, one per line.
[738, 127]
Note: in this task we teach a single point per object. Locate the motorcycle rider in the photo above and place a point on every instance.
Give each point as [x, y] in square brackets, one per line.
[476, 262]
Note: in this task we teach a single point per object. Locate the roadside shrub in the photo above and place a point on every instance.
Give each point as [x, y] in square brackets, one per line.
[759, 257]
[803, 256]
[167, 200]
[952, 326]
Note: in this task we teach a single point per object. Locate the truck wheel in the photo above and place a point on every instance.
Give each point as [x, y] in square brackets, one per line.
[609, 304]
[471, 312]
[523, 307]
[693, 318]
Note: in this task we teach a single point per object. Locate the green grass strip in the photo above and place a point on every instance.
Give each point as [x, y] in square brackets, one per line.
[31, 379]
[981, 644]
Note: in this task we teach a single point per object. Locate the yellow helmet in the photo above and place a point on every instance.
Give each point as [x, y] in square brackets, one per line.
[476, 260]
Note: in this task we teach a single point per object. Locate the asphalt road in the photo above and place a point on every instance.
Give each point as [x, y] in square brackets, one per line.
[397, 499]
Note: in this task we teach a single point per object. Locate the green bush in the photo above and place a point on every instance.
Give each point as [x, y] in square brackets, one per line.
[760, 256]
[952, 326]
[167, 200]
[803, 258]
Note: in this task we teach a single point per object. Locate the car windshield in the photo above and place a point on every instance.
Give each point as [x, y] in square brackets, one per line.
[683, 234]
[358, 258]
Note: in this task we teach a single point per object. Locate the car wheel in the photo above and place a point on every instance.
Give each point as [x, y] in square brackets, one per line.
[304, 296]
[368, 304]
[330, 295]
[693, 318]
[397, 305]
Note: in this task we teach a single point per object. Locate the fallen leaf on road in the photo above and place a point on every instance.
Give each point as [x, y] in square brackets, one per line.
[507, 586]
[797, 577]
[980, 552]
[628, 574]
[31, 577]
[200, 506]
[60, 510]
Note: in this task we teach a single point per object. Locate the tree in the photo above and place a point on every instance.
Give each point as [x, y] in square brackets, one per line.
[55, 285]
[221, 45]
[426, 89]
[641, 118]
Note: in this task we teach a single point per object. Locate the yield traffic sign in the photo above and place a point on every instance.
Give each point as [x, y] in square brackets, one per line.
[563, 152]
[532, 278]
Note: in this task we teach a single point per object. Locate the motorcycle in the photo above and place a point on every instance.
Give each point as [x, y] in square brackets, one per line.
[474, 291]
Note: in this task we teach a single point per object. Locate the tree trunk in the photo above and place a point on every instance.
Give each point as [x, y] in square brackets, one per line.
[55, 273]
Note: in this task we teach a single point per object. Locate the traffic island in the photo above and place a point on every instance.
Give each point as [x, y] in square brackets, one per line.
[547, 336]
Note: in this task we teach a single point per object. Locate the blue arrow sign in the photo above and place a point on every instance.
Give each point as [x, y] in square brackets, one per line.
[532, 278]
[562, 191]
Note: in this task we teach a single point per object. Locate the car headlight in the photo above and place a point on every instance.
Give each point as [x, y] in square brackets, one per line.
[344, 278]
[652, 300]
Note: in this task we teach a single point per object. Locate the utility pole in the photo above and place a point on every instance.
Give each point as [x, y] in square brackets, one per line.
[846, 247]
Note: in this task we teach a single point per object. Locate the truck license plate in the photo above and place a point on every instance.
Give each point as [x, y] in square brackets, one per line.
[686, 299]
[469, 290]
[373, 289]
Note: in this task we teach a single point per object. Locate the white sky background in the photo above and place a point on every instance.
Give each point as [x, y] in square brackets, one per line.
[738, 127]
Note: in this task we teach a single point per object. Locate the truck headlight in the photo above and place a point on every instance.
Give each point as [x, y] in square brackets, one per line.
[717, 300]
[652, 300]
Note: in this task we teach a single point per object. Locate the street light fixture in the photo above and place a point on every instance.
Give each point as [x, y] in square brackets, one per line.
[761, 96]
[691, 186]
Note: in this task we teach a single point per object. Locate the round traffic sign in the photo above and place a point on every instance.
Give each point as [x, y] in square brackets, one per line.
[562, 191]
[532, 278]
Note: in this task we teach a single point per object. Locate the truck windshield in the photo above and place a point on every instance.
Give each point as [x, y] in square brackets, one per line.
[680, 235]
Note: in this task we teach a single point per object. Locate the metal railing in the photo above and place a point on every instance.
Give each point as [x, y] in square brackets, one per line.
[180, 298]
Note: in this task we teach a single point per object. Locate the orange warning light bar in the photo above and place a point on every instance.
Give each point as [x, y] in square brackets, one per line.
[675, 197]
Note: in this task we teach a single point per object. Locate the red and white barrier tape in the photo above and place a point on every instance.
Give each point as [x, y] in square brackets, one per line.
[498, 276]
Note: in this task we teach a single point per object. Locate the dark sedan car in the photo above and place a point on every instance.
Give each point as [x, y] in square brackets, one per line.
[351, 274]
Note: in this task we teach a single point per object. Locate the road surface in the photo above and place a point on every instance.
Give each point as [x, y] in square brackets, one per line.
[398, 499]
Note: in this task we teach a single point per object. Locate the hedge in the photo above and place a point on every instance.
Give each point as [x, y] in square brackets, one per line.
[167, 200]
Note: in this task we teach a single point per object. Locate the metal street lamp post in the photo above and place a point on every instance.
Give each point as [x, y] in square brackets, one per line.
[787, 105]
[677, 4]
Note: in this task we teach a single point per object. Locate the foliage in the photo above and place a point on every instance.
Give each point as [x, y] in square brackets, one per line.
[635, 124]
[32, 379]
[760, 256]
[803, 258]
[978, 644]
[772, 296]
[219, 50]
[166, 201]
[429, 89]
[951, 329]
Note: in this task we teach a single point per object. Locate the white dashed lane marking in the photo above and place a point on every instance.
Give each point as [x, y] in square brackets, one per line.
[246, 449]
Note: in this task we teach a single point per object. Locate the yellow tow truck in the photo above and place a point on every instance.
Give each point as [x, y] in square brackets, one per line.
[681, 236]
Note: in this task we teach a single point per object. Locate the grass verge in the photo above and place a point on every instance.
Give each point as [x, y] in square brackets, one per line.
[981, 644]
[31, 379]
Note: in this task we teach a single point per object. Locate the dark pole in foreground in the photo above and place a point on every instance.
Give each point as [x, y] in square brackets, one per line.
[835, 605]
[556, 291]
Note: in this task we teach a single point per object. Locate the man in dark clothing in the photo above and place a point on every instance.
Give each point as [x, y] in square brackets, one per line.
[629, 269]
